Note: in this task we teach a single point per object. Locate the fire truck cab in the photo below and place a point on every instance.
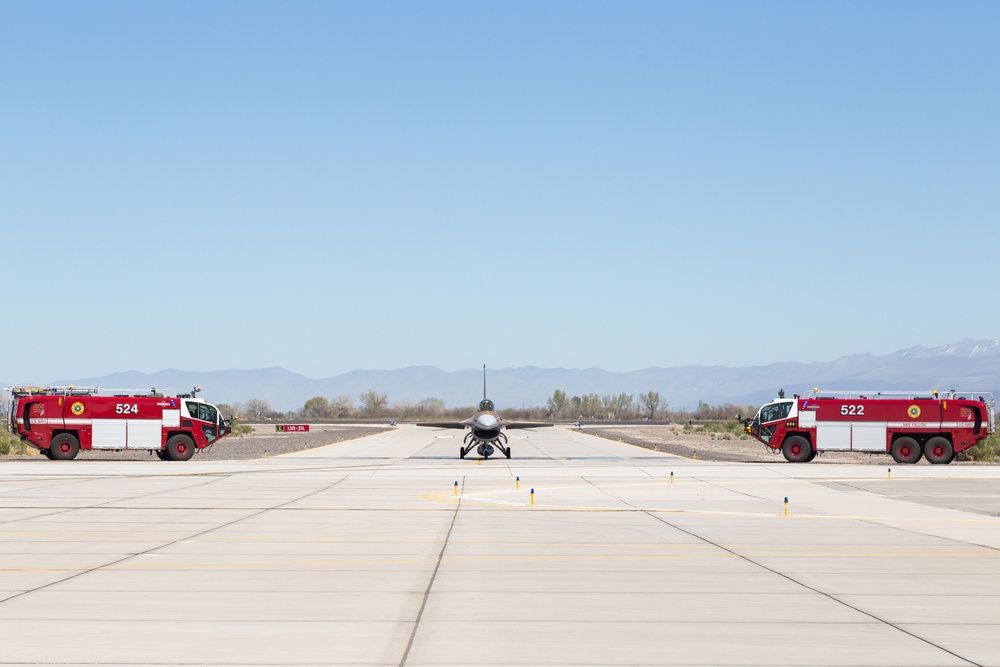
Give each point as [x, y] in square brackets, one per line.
[907, 425]
[60, 421]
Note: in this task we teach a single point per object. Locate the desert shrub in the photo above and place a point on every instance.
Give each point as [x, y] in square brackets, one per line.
[240, 430]
[8, 441]
[11, 445]
[987, 450]
[729, 426]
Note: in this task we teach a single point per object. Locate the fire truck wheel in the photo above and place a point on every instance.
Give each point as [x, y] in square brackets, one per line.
[180, 448]
[48, 453]
[162, 455]
[796, 449]
[64, 447]
[939, 450]
[905, 450]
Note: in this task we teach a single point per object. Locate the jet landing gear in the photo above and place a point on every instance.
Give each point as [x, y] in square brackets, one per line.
[484, 448]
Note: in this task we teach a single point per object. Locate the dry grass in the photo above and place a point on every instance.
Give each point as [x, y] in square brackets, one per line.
[11, 445]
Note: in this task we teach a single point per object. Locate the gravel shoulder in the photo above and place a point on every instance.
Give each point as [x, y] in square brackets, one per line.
[673, 439]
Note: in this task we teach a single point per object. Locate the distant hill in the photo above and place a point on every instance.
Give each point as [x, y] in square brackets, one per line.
[969, 365]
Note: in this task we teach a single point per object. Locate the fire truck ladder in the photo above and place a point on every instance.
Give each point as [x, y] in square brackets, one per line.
[18, 391]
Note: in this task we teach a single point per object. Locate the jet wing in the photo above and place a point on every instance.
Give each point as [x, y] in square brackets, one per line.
[510, 425]
[462, 424]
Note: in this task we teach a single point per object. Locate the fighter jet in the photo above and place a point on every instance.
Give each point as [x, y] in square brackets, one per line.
[487, 427]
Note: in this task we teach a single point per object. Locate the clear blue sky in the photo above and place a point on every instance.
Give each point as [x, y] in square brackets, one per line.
[327, 186]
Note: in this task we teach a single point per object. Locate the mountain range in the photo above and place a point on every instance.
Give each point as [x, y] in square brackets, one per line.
[969, 365]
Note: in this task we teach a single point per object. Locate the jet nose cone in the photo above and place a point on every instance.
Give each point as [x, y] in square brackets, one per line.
[486, 421]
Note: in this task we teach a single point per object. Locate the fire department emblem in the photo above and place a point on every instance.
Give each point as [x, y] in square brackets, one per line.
[76, 408]
[913, 411]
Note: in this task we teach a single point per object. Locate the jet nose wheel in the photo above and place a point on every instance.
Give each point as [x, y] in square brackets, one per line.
[485, 450]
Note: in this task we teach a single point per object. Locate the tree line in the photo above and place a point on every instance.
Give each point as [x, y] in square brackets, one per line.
[371, 404]
[648, 406]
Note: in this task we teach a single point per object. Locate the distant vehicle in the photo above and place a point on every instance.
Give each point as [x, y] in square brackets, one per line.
[60, 421]
[906, 425]
[486, 429]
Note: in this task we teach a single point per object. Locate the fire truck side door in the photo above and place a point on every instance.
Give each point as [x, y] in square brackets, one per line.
[109, 434]
[868, 437]
[771, 416]
[833, 436]
[144, 433]
[204, 412]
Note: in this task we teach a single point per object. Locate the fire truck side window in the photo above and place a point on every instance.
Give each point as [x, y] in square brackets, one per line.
[775, 411]
[202, 411]
[208, 413]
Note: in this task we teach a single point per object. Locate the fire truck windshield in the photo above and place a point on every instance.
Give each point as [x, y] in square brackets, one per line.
[203, 411]
[775, 411]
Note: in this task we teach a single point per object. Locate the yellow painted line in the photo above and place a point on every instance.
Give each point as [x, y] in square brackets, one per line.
[103, 536]
[201, 509]
[430, 559]
[757, 549]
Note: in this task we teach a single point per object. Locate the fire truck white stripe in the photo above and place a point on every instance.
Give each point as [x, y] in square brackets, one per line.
[56, 421]
[930, 425]
[913, 426]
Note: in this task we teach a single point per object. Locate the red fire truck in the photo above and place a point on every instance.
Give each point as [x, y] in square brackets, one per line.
[906, 425]
[60, 421]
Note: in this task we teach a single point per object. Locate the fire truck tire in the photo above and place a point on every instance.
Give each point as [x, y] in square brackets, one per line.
[796, 449]
[939, 450]
[905, 450]
[162, 455]
[180, 448]
[64, 447]
[48, 453]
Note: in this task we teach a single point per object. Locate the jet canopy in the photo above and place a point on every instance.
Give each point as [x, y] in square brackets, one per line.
[486, 405]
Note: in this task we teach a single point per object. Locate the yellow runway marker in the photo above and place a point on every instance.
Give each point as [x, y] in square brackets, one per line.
[483, 499]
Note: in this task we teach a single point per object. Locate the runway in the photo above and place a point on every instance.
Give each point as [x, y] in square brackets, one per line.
[389, 550]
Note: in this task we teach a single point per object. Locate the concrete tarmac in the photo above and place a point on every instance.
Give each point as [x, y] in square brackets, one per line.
[367, 552]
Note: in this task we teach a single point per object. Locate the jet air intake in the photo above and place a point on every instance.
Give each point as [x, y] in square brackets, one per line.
[487, 428]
